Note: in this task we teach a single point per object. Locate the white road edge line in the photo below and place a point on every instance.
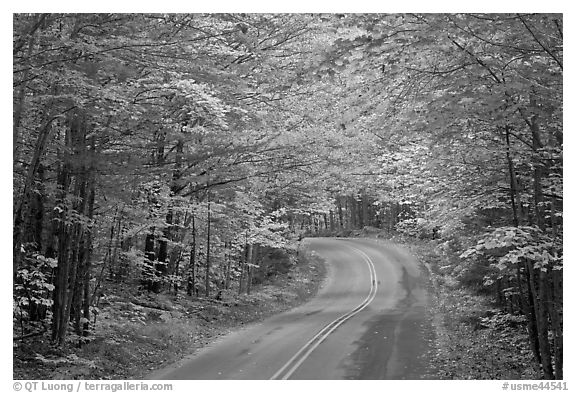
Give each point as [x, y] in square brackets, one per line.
[315, 341]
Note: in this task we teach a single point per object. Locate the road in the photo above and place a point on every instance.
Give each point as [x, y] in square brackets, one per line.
[366, 322]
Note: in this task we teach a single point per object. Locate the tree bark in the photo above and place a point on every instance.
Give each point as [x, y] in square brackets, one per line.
[191, 287]
[543, 326]
[60, 293]
[86, 300]
[228, 259]
[340, 212]
[364, 215]
[20, 215]
[160, 267]
[70, 234]
[249, 259]
[527, 304]
[148, 279]
[537, 172]
[555, 312]
[208, 262]
[512, 175]
[20, 102]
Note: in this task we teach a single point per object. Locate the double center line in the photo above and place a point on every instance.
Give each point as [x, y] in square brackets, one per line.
[292, 365]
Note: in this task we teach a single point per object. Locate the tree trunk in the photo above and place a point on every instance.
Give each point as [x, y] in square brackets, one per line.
[70, 233]
[115, 269]
[543, 326]
[60, 293]
[241, 264]
[244, 267]
[249, 260]
[364, 215]
[208, 262]
[191, 287]
[77, 294]
[340, 212]
[34, 222]
[22, 203]
[537, 173]
[228, 259]
[513, 183]
[174, 188]
[20, 103]
[353, 212]
[555, 311]
[160, 267]
[527, 304]
[148, 273]
[77, 262]
[88, 253]
[332, 226]
[177, 271]
[86, 301]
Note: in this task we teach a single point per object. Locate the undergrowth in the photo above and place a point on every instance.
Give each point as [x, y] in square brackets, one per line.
[474, 338]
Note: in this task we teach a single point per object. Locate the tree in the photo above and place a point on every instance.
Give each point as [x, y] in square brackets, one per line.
[465, 96]
[158, 149]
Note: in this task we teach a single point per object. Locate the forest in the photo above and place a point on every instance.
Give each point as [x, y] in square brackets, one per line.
[187, 155]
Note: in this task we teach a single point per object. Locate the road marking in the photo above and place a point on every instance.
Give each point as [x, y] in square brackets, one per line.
[295, 361]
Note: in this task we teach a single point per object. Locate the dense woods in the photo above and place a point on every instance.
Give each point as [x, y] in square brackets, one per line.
[188, 154]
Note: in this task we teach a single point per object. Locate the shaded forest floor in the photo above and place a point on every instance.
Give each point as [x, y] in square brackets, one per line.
[138, 333]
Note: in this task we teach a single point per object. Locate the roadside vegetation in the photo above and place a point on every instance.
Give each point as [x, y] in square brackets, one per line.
[138, 333]
[474, 337]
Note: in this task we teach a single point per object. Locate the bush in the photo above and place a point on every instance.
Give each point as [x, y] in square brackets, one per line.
[273, 262]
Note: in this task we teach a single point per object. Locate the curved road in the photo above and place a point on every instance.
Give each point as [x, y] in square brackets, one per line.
[366, 322]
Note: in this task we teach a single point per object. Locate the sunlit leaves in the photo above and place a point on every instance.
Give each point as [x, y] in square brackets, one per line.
[505, 247]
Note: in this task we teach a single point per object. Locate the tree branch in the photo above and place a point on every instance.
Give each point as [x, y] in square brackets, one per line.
[484, 65]
[547, 50]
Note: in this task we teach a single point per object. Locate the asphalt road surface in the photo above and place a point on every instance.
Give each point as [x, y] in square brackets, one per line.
[366, 322]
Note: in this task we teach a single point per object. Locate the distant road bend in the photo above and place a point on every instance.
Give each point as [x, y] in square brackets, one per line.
[366, 322]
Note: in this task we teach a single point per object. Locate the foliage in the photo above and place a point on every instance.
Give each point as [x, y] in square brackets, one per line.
[505, 247]
[182, 151]
[33, 288]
